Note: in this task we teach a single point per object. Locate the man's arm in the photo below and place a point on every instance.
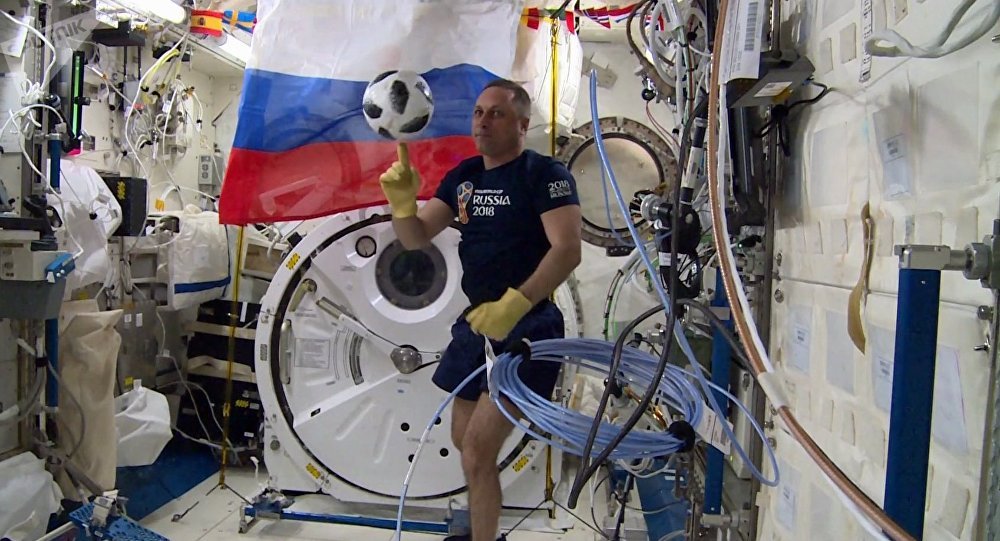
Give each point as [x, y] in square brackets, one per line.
[416, 232]
[562, 227]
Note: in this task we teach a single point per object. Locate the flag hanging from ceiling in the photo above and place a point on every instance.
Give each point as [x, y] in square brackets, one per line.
[241, 20]
[606, 15]
[302, 147]
[533, 17]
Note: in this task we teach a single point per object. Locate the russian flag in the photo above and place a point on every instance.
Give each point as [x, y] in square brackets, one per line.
[302, 147]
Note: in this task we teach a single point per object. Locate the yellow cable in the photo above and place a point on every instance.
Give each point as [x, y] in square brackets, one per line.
[549, 483]
[555, 88]
[231, 355]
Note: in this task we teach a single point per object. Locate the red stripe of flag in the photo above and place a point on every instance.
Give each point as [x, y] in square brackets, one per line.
[533, 18]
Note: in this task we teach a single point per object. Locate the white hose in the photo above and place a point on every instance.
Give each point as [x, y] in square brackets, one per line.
[900, 46]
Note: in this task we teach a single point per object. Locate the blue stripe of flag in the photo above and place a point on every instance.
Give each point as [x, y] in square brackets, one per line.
[281, 112]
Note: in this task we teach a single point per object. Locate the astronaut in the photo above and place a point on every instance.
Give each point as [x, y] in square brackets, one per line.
[520, 221]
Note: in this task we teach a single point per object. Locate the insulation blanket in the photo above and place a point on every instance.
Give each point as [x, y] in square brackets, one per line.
[533, 69]
[194, 263]
[88, 209]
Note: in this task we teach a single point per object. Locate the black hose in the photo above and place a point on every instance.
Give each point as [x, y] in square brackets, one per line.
[609, 300]
[616, 357]
[711, 13]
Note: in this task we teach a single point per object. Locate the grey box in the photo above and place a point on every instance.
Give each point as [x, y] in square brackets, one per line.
[31, 300]
[139, 330]
[210, 169]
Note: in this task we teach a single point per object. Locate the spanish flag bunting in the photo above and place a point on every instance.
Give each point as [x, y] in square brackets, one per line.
[206, 22]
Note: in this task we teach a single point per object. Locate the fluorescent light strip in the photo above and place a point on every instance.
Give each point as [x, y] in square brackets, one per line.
[236, 49]
[162, 9]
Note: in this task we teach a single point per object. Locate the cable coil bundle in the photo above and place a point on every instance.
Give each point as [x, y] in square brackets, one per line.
[569, 428]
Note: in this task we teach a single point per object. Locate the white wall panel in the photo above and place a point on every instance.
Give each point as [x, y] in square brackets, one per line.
[920, 144]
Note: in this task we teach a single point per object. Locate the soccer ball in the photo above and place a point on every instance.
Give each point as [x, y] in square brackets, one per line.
[398, 104]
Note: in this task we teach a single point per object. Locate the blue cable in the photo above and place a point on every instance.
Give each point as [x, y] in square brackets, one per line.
[607, 203]
[423, 439]
[664, 298]
[569, 428]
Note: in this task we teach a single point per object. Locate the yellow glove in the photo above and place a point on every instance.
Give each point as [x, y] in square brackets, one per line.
[400, 183]
[496, 319]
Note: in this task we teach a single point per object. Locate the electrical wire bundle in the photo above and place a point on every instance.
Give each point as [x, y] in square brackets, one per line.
[673, 324]
[668, 53]
[569, 428]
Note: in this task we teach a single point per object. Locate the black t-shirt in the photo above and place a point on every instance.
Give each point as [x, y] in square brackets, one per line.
[499, 213]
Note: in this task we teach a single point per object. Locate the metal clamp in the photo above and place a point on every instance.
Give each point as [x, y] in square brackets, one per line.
[927, 257]
[977, 261]
[724, 521]
[986, 258]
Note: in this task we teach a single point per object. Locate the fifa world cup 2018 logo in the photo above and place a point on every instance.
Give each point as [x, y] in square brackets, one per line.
[464, 196]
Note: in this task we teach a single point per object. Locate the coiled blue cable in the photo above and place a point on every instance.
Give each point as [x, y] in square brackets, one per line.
[665, 299]
[569, 428]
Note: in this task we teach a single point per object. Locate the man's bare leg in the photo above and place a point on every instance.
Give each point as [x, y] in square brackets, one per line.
[485, 434]
[461, 412]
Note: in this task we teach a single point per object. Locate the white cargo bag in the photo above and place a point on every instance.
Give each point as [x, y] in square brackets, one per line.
[142, 420]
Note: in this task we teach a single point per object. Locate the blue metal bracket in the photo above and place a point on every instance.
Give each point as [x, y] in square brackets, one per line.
[912, 398]
[913, 367]
[61, 266]
[721, 360]
[913, 378]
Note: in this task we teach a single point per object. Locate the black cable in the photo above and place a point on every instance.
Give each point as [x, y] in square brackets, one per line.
[581, 521]
[825, 90]
[620, 521]
[596, 487]
[711, 12]
[660, 85]
[645, 39]
[526, 516]
[781, 113]
[609, 300]
[588, 469]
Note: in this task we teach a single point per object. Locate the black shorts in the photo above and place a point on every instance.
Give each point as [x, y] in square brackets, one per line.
[465, 354]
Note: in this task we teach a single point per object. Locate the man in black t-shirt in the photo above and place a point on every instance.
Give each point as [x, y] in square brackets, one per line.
[519, 216]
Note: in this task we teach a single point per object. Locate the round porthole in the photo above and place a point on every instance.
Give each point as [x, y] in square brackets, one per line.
[411, 279]
[365, 246]
[642, 161]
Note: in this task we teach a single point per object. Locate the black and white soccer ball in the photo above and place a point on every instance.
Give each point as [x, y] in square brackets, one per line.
[398, 104]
